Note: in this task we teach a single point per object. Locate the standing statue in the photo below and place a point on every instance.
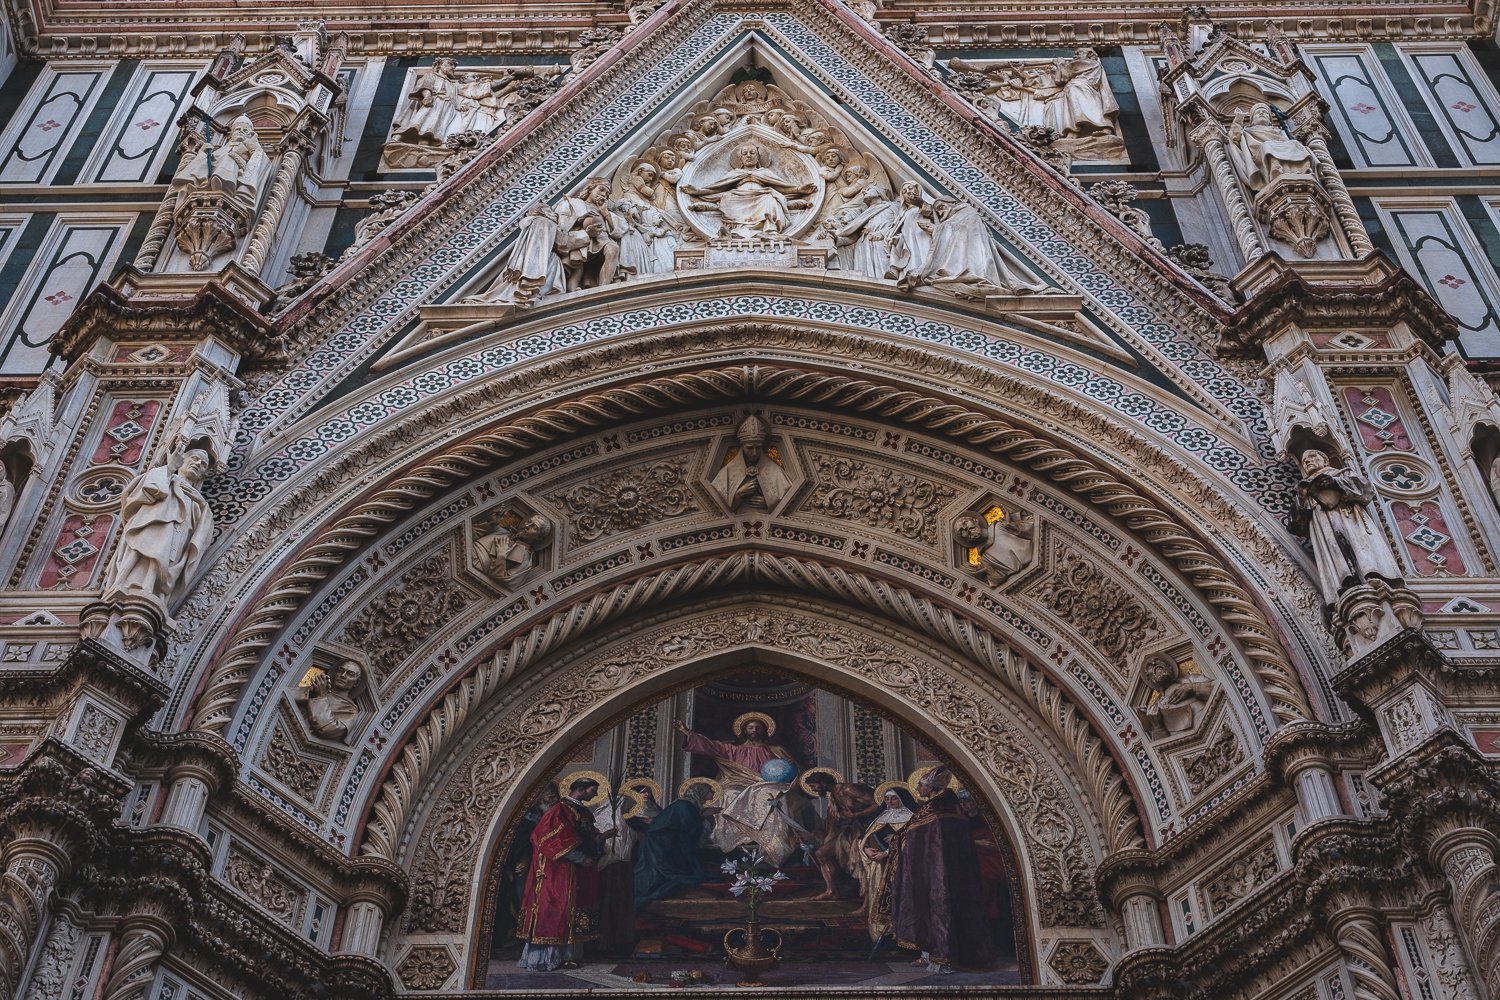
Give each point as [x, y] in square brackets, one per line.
[996, 551]
[1333, 510]
[327, 702]
[753, 198]
[752, 477]
[1263, 153]
[432, 105]
[237, 166]
[964, 259]
[166, 527]
[1177, 700]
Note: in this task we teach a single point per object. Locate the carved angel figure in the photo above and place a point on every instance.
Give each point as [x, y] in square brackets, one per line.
[327, 702]
[432, 106]
[1003, 549]
[167, 527]
[1333, 511]
[1178, 701]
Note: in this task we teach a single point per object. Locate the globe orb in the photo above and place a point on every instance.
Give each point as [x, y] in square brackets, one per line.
[778, 770]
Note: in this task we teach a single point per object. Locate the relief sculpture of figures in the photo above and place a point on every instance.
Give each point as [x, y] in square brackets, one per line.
[446, 100]
[752, 476]
[1333, 511]
[996, 550]
[753, 198]
[510, 546]
[1177, 700]
[236, 167]
[166, 528]
[327, 700]
[1070, 95]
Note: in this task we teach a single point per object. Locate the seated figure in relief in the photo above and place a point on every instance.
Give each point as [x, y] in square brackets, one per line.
[753, 198]
[237, 166]
[1263, 153]
[328, 702]
[1177, 701]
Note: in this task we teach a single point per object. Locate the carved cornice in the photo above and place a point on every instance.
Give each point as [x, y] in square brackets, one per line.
[213, 311]
[1381, 300]
[1410, 651]
[89, 662]
[60, 796]
[55, 29]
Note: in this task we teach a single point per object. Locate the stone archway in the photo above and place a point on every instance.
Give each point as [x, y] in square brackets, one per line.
[459, 815]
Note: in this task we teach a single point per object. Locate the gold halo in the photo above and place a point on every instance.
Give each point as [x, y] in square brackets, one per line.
[632, 787]
[886, 786]
[761, 717]
[689, 783]
[913, 779]
[568, 779]
[637, 805]
[802, 781]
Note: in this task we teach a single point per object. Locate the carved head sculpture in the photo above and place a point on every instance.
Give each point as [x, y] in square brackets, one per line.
[346, 675]
[752, 434]
[596, 192]
[535, 531]
[748, 156]
[241, 129]
[831, 157]
[1313, 461]
[443, 66]
[725, 117]
[647, 172]
[751, 92]
[195, 465]
[1160, 671]
[706, 126]
[1260, 114]
[911, 193]
[944, 207]
[970, 531]
[668, 159]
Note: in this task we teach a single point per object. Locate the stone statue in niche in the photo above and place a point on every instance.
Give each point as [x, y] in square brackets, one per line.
[1263, 153]
[996, 550]
[752, 477]
[1332, 508]
[328, 702]
[236, 167]
[510, 546]
[1177, 700]
[166, 528]
[1070, 95]
[446, 100]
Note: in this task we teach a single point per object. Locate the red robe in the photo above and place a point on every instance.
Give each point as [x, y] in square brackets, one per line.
[561, 903]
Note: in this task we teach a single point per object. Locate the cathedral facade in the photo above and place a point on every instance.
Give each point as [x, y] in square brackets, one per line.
[831, 498]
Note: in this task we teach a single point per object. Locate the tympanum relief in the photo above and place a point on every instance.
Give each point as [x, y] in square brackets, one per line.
[753, 178]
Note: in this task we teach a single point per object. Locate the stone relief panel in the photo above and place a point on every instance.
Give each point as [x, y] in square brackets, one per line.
[1093, 602]
[1199, 764]
[264, 884]
[1070, 95]
[423, 600]
[446, 100]
[1239, 877]
[888, 499]
[627, 498]
[1054, 837]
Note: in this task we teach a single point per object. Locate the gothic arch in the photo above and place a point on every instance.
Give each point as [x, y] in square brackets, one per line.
[994, 740]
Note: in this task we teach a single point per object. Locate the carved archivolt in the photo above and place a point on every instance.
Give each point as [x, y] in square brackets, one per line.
[1065, 466]
[430, 742]
[967, 714]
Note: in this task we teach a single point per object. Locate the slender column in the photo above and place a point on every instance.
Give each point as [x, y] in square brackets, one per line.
[1142, 917]
[32, 867]
[1316, 793]
[1211, 140]
[1358, 936]
[143, 941]
[1343, 204]
[362, 929]
[1466, 857]
[156, 237]
[186, 800]
[294, 152]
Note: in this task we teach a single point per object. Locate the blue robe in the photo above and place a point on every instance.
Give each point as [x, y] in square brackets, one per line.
[667, 862]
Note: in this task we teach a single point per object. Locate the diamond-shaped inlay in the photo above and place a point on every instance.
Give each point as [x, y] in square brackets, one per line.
[1463, 107]
[128, 431]
[1452, 281]
[76, 551]
[1378, 418]
[1353, 340]
[1362, 108]
[1427, 537]
[155, 352]
[57, 298]
[48, 125]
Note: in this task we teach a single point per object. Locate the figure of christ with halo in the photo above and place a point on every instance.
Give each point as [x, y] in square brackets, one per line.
[753, 198]
[754, 810]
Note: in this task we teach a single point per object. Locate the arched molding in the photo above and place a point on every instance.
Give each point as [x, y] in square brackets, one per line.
[450, 722]
[463, 806]
[873, 391]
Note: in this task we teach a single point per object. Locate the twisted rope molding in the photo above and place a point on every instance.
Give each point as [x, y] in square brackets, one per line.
[1157, 528]
[1107, 785]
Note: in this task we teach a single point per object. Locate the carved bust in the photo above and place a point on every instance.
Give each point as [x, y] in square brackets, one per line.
[504, 553]
[752, 477]
[996, 551]
[328, 703]
[1178, 700]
